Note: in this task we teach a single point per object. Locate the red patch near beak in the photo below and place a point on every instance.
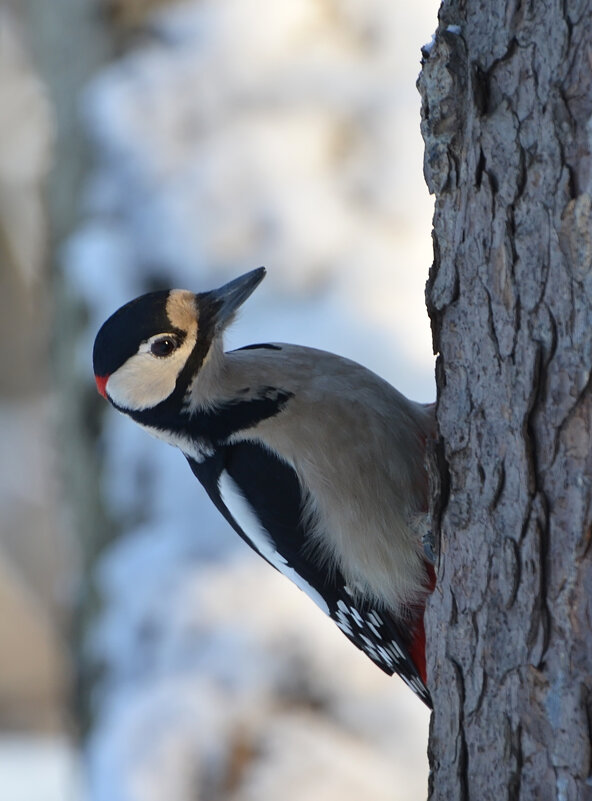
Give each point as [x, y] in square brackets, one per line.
[102, 384]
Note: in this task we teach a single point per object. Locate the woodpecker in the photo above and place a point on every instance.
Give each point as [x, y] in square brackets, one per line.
[315, 461]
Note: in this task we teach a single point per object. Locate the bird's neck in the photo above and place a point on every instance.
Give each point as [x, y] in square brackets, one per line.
[214, 407]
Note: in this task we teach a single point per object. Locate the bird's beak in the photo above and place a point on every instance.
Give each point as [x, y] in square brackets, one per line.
[228, 298]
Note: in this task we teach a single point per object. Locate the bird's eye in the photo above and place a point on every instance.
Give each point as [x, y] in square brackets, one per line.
[163, 346]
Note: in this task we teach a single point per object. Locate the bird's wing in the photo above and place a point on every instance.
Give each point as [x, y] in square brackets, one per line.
[261, 497]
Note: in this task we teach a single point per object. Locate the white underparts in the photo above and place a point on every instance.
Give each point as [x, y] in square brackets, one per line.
[196, 449]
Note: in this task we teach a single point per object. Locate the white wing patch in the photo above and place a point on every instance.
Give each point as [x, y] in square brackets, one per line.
[246, 517]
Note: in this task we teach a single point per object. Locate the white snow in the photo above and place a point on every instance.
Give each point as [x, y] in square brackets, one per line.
[37, 768]
[427, 48]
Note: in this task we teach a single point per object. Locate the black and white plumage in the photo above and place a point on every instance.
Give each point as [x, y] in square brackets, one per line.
[316, 462]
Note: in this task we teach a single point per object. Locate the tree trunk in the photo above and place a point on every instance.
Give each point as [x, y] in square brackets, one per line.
[69, 40]
[507, 121]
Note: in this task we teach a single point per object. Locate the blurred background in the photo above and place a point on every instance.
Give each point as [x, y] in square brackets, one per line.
[145, 653]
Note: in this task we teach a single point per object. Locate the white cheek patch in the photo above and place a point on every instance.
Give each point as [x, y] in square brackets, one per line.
[245, 516]
[144, 380]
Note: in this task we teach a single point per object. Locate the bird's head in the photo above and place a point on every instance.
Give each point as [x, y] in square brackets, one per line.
[152, 347]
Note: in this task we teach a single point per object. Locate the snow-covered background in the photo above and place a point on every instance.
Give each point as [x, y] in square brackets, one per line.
[236, 133]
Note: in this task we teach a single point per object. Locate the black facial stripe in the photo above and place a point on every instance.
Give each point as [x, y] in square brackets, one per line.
[205, 335]
[216, 425]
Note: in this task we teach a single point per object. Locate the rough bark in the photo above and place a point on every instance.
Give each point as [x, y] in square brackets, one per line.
[507, 119]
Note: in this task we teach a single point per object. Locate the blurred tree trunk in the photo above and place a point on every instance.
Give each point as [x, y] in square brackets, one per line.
[507, 121]
[69, 41]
